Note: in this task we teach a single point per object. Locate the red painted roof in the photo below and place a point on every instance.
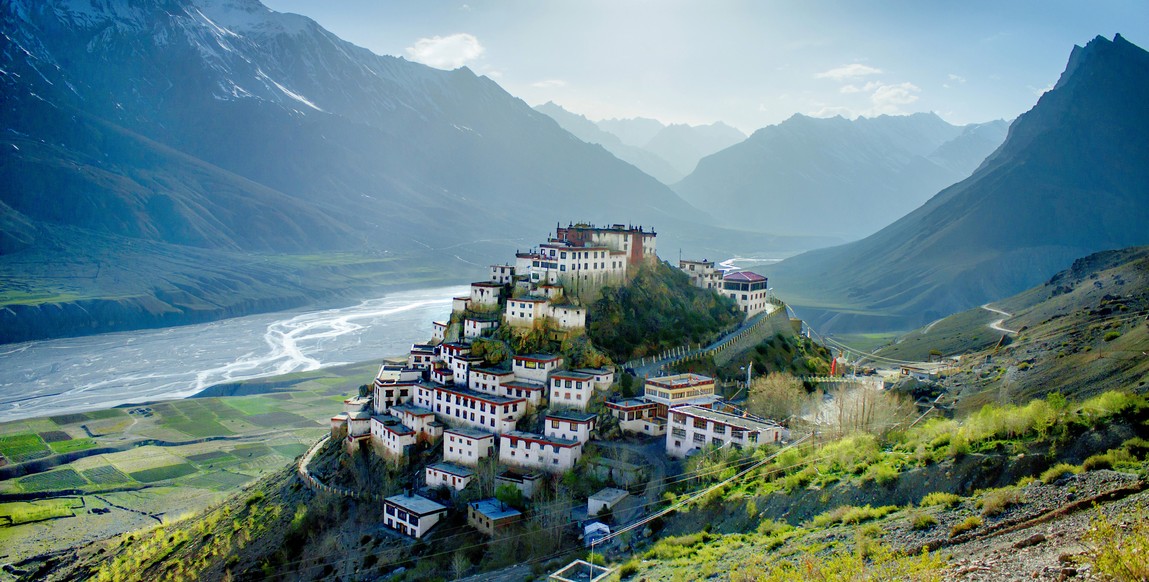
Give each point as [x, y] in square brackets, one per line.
[747, 276]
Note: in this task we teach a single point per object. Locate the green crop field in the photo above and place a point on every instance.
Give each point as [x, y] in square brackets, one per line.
[29, 512]
[66, 419]
[250, 405]
[104, 414]
[22, 447]
[163, 473]
[290, 450]
[53, 480]
[106, 475]
[72, 445]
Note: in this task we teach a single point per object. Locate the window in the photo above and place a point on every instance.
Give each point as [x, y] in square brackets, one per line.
[554, 424]
[700, 423]
[678, 432]
[719, 428]
[699, 438]
[717, 441]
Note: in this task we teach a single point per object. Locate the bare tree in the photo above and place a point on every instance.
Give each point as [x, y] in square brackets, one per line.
[777, 396]
[864, 407]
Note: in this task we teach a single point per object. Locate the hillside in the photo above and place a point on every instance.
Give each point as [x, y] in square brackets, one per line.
[228, 135]
[1072, 178]
[836, 176]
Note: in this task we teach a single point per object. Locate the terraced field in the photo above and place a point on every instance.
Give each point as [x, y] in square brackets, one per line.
[177, 457]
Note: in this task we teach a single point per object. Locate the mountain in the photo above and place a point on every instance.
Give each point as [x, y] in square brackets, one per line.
[1080, 333]
[840, 177]
[683, 145]
[1071, 178]
[586, 130]
[635, 131]
[219, 135]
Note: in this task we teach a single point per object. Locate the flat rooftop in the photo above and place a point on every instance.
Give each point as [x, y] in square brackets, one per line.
[572, 415]
[416, 504]
[541, 438]
[680, 381]
[470, 432]
[609, 495]
[745, 422]
[453, 469]
[494, 509]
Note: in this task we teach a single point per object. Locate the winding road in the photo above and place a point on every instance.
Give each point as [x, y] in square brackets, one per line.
[996, 324]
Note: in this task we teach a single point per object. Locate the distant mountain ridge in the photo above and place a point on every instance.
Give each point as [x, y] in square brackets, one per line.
[666, 152]
[207, 130]
[837, 176]
[1071, 178]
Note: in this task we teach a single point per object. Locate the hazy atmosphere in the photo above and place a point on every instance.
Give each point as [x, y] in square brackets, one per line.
[746, 63]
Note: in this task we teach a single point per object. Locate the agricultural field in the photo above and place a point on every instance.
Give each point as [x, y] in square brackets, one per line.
[202, 450]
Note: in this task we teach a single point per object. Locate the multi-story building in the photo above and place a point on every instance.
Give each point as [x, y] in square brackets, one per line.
[637, 417]
[570, 425]
[535, 367]
[484, 296]
[635, 243]
[421, 420]
[703, 274]
[391, 435]
[491, 515]
[678, 390]
[694, 427]
[502, 274]
[448, 475]
[531, 391]
[464, 407]
[749, 290]
[439, 331]
[423, 355]
[536, 451]
[489, 380]
[570, 389]
[412, 515]
[466, 446]
[525, 311]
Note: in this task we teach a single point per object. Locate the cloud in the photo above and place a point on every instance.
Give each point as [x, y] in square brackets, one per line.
[549, 84]
[888, 99]
[957, 78]
[446, 52]
[832, 111]
[848, 72]
[850, 89]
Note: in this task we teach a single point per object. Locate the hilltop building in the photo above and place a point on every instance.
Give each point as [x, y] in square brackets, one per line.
[703, 274]
[748, 289]
[411, 515]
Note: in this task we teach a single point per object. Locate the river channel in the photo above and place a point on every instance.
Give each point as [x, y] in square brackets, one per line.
[87, 373]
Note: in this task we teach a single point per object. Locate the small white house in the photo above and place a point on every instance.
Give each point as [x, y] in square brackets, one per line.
[536, 451]
[526, 483]
[412, 515]
[637, 417]
[466, 446]
[389, 394]
[567, 316]
[571, 389]
[439, 331]
[448, 475]
[603, 377]
[491, 515]
[593, 532]
[532, 392]
[474, 327]
[502, 274]
[421, 356]
[536, 367]
[570, 425]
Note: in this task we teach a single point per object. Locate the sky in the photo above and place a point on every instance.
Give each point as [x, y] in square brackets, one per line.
[748, 63]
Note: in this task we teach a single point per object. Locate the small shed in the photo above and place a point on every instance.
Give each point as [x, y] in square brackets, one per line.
[593, 532]
[605, 499]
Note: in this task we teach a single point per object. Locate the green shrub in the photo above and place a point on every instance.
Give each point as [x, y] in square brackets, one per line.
[921, 520]
[940, 498]
[1117, 546]
[1137, 447]
[998, 500]
[967, 524]
[628, 569]
[848, 514]
[1112, 335]
[1057, 471]
[882, 474]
